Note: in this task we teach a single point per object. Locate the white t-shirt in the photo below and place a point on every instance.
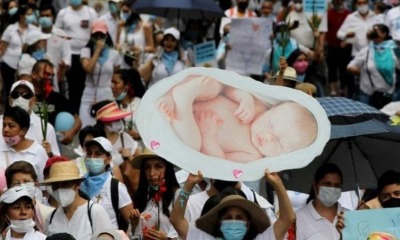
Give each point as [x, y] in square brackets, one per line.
[195, 233]
[76, 24]
[104, 199]
[15, 39]
[34, 154]
[133, 106]
[160, 72]
[194, 206]
[102, 74]
[79, 225]
[31, 235]
[392, 20]
[311, 226]
[128, 143]
[303, 34]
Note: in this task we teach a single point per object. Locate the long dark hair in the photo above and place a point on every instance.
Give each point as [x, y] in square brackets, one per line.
[131, 78]
[141, 196]
[92, 43]
[22, 9]
[322, 171]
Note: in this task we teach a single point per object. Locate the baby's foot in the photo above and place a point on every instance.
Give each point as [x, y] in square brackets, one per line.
[167, 105]
[208, 123]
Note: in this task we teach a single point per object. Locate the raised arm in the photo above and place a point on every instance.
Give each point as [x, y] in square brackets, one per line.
[286, 216]
[177, 217]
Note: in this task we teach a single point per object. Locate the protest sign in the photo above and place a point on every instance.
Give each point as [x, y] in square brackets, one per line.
[230, 127]
[374, 224]
[205, 54]
[315, 6]
[249, 39]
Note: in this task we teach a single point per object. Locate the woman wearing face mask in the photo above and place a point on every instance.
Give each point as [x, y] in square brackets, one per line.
[11, 44]
[318, 217]
[233, 218]
[75, 214]
[98, 183]
[193, 35]
[17, 212]
[128, 89]
[154, 197]
[16, 122]
[99, 61]
[167, 62]
[22, 173]
[376, 64]
[33, 50]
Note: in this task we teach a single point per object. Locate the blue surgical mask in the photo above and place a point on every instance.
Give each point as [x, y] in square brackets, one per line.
[124, 15]
[12, 11]
[39, 54]
[75, 3]
[233, 229]
[95, 165]
[112, 6]
[278, 37]
[29, 19]
[121, 96]
[45, 22]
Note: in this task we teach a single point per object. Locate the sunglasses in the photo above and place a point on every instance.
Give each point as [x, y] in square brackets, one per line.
[26, 95]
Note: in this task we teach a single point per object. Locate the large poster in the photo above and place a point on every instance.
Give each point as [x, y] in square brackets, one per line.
[231, 127]
[250, 40]
[374, 224]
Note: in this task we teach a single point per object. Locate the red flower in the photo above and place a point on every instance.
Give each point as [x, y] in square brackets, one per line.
[162, 188]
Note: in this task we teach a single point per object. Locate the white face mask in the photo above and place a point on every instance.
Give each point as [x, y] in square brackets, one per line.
[116, 127]
[329, 195]
[64, 196]
[22, 103]
[298, 6]
[22, 226]
[30, 188]
[363, 9]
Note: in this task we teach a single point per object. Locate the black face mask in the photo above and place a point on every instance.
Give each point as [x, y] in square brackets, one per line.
[243, 5]
[374, 35]
[391, 203]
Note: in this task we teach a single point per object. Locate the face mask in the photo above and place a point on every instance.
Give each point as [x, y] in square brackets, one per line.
[329, 195]
[45, 22]
[12, 11]
[243, 5]
[22, 103]
[39, 54]
[116, 127]
[64, 196]
[29, 19]
[22, 226]
[11, 141]
[121, 96]
[363, 9]
[298, 6]
[30, 188]
[75, 3]
[95, 166]
[233, 229]
[391, 203]
[300, 66]
[113, 7]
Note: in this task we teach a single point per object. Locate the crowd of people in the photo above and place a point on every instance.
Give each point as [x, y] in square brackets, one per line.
[73, 165]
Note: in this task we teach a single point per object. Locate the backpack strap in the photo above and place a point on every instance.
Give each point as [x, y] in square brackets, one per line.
[52, 216]
[366, 68]
[89, 212]
[115, 195]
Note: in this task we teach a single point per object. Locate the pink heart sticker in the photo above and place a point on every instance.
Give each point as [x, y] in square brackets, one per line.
[237, 173]
[256, 27]
[154, 145]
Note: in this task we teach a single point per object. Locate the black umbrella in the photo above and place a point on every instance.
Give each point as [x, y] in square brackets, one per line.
[194, 9]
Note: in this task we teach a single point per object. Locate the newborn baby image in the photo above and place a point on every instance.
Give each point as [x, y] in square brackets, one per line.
[229, 123]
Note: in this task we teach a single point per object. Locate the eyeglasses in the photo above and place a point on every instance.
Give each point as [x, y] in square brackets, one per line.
[26, 95]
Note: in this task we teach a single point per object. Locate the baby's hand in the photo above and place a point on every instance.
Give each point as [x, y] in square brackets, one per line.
[245, 111]
[208, 123]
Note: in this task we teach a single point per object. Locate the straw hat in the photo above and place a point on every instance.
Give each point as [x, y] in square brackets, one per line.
[289, 74]
[63, 171]
[259, 220]
[111, 112]
[147, 153]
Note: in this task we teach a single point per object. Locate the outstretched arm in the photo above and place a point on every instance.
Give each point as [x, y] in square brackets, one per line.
[177, 217]
[286, 216]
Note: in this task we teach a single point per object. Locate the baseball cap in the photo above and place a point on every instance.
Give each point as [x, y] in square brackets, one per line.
[13, 194]
[99, 26]
[172, 31]
[24, 83]
[35, 35]
[103, 142]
